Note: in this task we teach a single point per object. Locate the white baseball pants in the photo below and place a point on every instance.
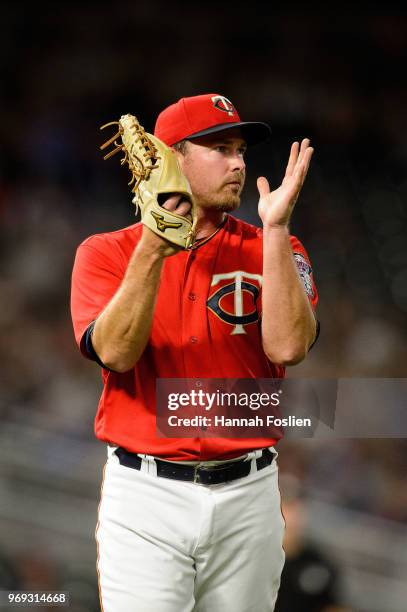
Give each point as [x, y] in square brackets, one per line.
[172, 546]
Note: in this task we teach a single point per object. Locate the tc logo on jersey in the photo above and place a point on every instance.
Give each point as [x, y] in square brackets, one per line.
[223, 104]
[241, 311]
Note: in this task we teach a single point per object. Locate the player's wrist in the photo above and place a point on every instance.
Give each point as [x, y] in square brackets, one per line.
[276, 229]
[155, 247]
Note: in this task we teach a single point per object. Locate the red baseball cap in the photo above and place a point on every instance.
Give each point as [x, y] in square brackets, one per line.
[200, 115]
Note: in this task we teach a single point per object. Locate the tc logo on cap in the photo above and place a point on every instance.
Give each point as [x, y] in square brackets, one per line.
[223, 104]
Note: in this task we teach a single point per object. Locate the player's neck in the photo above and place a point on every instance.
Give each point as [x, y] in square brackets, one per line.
[208, 222]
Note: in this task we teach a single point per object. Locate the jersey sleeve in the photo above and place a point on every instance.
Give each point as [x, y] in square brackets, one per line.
[96, 276]
[305, 270]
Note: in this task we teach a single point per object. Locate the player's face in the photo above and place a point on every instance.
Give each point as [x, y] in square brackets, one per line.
[215, 168]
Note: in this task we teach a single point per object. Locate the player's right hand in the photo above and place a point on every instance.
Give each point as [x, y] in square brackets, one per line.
[151, 241]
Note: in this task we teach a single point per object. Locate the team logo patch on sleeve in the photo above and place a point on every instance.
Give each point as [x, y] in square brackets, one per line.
[305, 271]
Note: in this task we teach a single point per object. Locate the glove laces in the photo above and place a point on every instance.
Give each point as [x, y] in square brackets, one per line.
[142, 157]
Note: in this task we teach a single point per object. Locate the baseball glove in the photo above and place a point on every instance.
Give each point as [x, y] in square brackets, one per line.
[155, 175]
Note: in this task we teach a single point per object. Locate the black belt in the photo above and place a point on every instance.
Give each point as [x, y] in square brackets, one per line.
[198, 473]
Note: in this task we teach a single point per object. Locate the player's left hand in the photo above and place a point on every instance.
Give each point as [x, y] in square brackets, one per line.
[275, 207]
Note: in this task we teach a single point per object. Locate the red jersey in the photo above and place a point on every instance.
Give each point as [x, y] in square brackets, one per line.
[206, 324]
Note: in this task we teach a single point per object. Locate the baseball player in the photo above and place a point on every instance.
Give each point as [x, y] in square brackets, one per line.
[189, 523]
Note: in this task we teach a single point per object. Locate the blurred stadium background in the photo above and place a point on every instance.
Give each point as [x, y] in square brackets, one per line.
[338, 79]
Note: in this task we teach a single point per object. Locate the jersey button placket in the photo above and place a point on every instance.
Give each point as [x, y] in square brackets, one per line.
[190, 297]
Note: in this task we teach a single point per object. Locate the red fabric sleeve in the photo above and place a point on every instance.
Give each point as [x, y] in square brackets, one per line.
[97, 273]
[305, 269]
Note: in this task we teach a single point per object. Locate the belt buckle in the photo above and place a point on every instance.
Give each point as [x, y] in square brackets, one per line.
[212, 468]
[196, 474]
[199, 466]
